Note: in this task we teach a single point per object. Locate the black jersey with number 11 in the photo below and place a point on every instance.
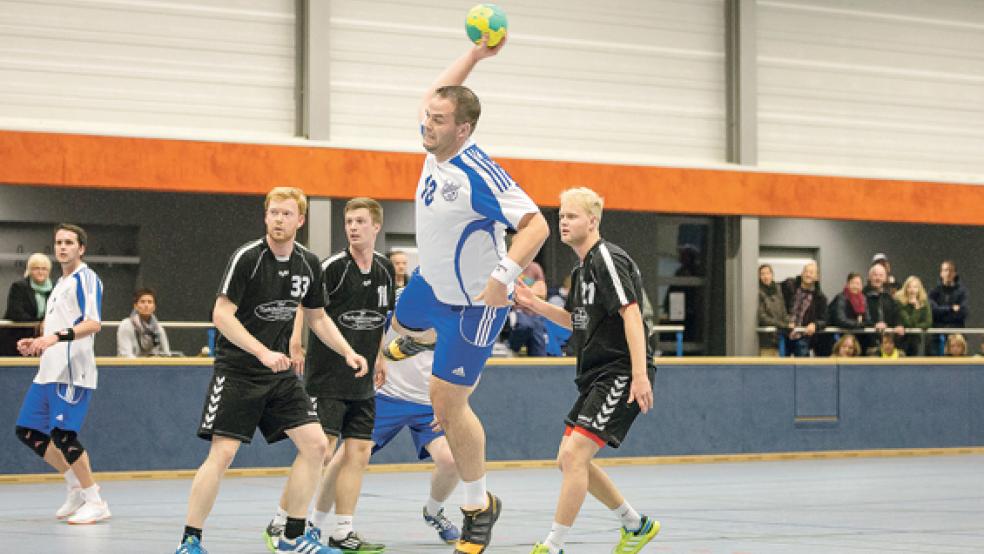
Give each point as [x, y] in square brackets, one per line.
[357, 302]
[606, 280]
[267, 292]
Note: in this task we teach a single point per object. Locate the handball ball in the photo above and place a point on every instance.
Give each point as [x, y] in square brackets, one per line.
[486, 18]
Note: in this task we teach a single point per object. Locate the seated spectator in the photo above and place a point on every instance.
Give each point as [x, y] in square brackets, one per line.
[882, 260]
[771, 312]
[528, 327]
[914, 312]
[887, 348]
[882, 310]
[847, 347]
[948, 300]
[140, 335]
[807, 307]
[956, 345]
[26, 303]
[559, 296]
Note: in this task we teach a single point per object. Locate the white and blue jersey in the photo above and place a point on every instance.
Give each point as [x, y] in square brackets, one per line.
[463, 208]
[75, 298]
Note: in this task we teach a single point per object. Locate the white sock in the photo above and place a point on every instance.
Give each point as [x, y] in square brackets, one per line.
[630, 518]
[555, 540]
[433, 507]
[475, 495]
[343, 526]
[319, 519]
[280, 518]
[72, 480]
[91, 494]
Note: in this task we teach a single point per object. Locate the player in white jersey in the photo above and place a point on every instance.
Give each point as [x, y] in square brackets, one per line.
[464, 204]
[57, 402]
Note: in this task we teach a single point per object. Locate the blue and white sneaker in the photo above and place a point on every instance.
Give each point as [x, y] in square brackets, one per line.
[308, 543]
[191, 545]
[445, 529]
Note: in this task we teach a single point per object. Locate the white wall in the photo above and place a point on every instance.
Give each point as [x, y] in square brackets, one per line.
[186, 68]
[880, 87]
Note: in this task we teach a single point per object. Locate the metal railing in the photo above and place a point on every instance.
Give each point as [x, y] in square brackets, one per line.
[677, 330]
[923, 334]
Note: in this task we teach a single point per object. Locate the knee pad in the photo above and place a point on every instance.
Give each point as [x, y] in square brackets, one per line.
[68, 443]
[34, 439]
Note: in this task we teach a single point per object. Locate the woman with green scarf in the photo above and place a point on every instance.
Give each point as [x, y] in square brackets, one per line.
[26, 302]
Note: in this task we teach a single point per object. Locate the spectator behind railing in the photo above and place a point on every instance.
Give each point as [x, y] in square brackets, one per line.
[914, 312]
[140, 335]
[26, 302]
[849, 309]
[847, 347]
[890, 284]
[948, 300]
[882, 310]
[807, 306]
[887, 347]
[956, 345]
[771, 312]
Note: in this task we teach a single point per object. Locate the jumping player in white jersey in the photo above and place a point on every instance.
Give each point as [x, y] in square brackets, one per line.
[464, 204]
[265, 283]
[57, 402]
[615, 371]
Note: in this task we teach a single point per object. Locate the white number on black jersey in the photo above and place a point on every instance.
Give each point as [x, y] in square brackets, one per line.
[299, 285]
[587, 293]
[383, 297]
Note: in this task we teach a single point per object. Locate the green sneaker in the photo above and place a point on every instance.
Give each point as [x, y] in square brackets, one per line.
[632, 542]
[271, 535]
[542, 549]
[354, 544]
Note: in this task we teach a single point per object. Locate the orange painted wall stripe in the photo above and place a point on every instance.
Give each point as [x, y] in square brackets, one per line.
[55, 159]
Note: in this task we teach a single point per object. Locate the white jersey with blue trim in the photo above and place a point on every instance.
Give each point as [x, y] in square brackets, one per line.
[463, 208]
[74, 298]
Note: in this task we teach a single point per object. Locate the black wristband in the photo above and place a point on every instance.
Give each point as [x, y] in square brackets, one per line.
[66, 334]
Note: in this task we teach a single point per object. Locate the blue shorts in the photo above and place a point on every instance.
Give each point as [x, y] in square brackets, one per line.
[54, 405]
[393, 414]
[465, 334]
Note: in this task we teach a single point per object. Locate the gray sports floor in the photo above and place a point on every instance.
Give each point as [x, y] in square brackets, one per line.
[924, 504]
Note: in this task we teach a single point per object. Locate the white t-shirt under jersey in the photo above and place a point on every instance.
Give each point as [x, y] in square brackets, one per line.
[74, 298]
[463, 208]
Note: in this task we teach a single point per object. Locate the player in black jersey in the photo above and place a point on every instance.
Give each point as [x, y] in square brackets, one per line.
[615, 370]
[263, 286]
[360, 291]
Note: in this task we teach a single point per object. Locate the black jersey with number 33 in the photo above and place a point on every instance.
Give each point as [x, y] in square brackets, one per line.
[267, 291]
[358, 303]
[606, 280]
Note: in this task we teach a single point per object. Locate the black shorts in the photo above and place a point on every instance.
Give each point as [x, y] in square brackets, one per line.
[348, 419]
[236, 404]
[603, 410]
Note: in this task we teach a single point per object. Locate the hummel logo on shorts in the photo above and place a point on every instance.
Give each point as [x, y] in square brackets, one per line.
[459, 371]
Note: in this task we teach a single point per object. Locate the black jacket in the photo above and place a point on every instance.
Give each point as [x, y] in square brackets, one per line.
[21, 306]
[942, 298]
[881, 306]
[841, 314]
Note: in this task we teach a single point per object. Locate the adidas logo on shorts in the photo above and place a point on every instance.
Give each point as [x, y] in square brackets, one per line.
[459, 371]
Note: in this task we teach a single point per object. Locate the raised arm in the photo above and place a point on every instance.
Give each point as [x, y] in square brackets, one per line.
[458, 71]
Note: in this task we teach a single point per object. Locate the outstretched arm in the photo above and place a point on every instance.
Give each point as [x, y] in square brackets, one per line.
[458, 71]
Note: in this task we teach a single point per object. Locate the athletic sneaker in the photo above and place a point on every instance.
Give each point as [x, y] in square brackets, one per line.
[72, 503]
[445, 529]
[272, 534]
[476, 533]
[191, 545]
[308, 543]
[542, 549]
[90, 512]
[353, 543]
[402, 348]
[632, 542]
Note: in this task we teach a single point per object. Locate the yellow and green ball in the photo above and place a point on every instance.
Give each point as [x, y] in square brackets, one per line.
[486, 18]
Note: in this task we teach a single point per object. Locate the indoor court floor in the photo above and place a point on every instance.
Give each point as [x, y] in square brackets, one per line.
[932, 504]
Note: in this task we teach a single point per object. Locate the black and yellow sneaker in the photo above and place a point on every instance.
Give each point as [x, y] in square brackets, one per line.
[402, 348]
[476, 533]
[354, 544]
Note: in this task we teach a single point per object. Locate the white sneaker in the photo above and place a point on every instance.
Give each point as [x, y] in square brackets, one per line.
[72, 503]
[90, 512]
